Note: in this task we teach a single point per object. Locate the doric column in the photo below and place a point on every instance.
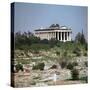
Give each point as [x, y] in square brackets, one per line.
[58, 35]
[54, 35]
[61, 35]
[67, 36]
[49, 35]
[64, 36]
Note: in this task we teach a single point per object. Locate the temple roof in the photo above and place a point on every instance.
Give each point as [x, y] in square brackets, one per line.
[54, 27]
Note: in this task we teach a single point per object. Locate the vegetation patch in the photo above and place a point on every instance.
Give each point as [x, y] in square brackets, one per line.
[75, 74]
[19, 67]
[39, 66]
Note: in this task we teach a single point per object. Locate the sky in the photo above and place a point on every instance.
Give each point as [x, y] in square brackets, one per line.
[31, 16]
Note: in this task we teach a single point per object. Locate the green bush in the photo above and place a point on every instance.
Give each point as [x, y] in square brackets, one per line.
[57, 53]
[19, 66]
[23, 61]
[77, 51]
[59, 44]
[63, 64]
[65, 54]
[44, 41]
[86, 46]
[85, 54]
[39, 66]
[37, 47]
[52, 42]
[36, 51]
[75, 64]
[75, 74]
[86, 63]
[53, 67]
[84, 79]
[70, 66]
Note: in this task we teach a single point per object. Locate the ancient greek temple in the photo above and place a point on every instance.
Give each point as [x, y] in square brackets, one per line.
[61, 33]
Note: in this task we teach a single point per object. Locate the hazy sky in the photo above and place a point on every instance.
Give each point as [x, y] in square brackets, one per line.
[29, 16]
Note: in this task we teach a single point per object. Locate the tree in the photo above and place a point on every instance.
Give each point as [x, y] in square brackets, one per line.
[52, 42]
[80, 38]
[24, 40]
[83, 41]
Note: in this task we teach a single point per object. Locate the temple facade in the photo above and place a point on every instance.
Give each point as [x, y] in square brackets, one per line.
[61, 33]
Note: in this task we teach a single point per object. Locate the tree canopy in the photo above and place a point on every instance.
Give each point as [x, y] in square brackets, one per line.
[27, 41]
[80, 38]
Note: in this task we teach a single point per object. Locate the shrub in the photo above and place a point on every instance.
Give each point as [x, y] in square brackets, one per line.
[57, 53]
[22, 54]
[63, 64]
[44, 41]
[52, 42]
[19, 66]
[85, 54]
[86, 46]
[70, 66]
[75, 74]
[23, 61]
[59, 44]
[65, 54]
[86, 63]
[77, 51]
[75, 64]
[36, 51]
[39, 66]
[84, 79]
[37, 47]
[53, 67]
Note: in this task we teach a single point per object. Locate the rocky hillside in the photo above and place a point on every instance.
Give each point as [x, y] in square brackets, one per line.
[39, 68]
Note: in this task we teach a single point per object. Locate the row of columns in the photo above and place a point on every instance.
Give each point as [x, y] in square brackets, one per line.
[62, 36]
